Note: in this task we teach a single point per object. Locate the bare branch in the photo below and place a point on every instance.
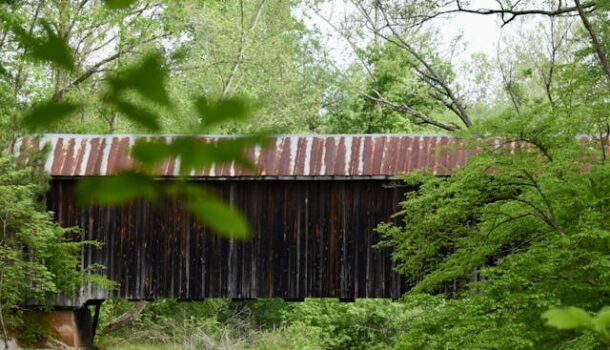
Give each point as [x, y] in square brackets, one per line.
[507, 79]
[555, 45]
[509, 14]
[506, 14]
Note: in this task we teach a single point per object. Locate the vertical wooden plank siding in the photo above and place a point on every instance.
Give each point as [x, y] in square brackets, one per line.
[310, 238]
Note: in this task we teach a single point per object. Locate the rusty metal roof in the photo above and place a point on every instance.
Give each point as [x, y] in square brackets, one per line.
[294, 156]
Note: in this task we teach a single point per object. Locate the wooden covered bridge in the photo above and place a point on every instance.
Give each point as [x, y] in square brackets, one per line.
[313, 206]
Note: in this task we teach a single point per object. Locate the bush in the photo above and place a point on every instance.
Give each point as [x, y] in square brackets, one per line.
[363, 324]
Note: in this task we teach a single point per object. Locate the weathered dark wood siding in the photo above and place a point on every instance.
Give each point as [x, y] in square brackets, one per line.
[310, 238]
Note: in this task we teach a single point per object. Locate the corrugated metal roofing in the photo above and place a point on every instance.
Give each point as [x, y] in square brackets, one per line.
[287, 156]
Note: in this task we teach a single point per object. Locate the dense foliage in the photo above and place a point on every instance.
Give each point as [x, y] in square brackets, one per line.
[39, 259]
[521, 229]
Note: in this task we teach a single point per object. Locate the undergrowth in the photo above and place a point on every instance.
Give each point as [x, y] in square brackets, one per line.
[263, 324]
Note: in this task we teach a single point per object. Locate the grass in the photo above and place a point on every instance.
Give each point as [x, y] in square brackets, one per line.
[112, 343]
[142, 347]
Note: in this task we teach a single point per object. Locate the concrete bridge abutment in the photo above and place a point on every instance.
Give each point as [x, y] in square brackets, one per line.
[73, 328]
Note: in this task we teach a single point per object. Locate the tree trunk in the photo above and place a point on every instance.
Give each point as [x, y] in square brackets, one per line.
[125, 319]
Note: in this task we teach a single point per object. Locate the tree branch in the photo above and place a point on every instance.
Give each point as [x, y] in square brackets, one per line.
[242, 48]
[512, 13]
[428, 71]
[89, 72]
[597, 45]
[96, 67]
[422, 118]
[349, 41]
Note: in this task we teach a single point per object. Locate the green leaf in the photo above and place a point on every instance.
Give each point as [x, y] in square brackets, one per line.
[196, 154]
[118, 4]
[601, 321]
[48, 114]
[220, 217]
[151, 153]
[568, 318]
[139, 115]
[148, 78]
[215, 112]
[117, 189]
[51, 48]
[55, 49]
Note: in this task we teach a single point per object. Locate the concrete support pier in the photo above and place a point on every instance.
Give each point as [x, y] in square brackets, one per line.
[74, 328]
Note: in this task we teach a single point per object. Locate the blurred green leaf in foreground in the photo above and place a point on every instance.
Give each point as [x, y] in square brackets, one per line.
[574, 318]
[139, 93]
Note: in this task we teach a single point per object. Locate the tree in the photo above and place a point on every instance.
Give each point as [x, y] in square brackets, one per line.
[247, 50]
[520, 229]
[392, 23]
[408, 26]
[97, 40]
[38, 257]
[378, 100]
[255, 50]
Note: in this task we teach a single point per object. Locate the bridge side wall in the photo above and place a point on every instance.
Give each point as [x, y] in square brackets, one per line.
[309, 239]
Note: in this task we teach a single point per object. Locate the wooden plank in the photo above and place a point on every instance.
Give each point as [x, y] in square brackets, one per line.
[309, 239]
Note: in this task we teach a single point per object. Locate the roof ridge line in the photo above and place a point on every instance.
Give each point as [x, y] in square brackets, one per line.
[75, 135]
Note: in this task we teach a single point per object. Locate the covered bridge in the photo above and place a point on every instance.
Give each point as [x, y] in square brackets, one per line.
[312, 206]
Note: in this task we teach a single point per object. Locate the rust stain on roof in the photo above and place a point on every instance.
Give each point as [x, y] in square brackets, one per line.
[287, 155]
